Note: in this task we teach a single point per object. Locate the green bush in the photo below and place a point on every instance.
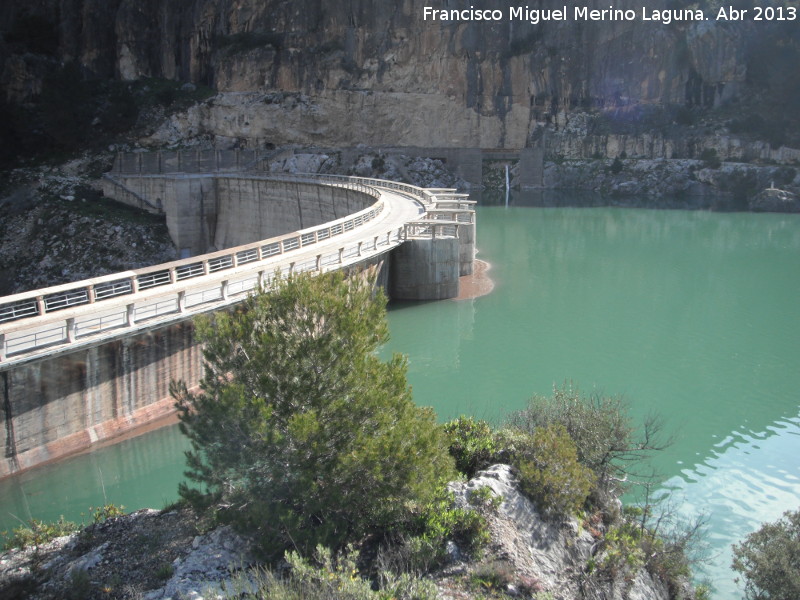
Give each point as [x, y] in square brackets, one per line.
[769, 560]
[442, 521]
[551, 474]
[101, 514]
[600, 428]
[330, 577]
[622, 551]
[37, 533]
[472, 444]
[301, 435]
[421, 546]
[710, 159]
[484, 499]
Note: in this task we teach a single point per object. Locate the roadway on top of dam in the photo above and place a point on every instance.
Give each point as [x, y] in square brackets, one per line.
[49, 321]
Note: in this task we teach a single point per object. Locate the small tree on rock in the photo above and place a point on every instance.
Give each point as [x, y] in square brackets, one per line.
[300, 433]
[769, 560]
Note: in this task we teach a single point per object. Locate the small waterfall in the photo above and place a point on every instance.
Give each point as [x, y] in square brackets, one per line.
[508, 186]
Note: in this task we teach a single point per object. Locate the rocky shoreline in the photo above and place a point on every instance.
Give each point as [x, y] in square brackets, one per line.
[156, 555]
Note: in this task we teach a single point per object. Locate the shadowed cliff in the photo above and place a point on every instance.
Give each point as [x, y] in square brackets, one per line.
[395, 77]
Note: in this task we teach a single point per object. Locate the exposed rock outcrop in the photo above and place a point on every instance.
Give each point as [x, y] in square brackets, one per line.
[775, 200]
[159, 555]
[722, 185]
[55, 227]
[553, 553]
[381, 73]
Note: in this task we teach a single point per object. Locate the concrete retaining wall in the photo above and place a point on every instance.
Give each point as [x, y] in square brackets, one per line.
[58, 406]
[425, 269]
[214, 212]
[189, 204]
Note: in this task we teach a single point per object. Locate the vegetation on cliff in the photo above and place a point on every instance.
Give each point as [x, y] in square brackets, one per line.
[304, 440]
[769, 559]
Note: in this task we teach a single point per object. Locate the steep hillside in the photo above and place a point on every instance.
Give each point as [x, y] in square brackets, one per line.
[379, 72]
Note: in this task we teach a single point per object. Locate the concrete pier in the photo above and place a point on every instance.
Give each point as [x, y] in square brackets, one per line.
[425, 269]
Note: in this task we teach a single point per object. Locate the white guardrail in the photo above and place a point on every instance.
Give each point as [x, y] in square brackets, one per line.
[46, 320]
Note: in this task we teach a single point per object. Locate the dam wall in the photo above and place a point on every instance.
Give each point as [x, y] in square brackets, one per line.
[85, 362]
[425, 269]
[251, 208]
[63, 404]
[212, 212]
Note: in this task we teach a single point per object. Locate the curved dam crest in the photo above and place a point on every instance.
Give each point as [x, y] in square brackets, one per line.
[85, 362]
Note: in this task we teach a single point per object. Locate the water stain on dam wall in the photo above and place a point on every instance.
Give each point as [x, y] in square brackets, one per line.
[63, 404]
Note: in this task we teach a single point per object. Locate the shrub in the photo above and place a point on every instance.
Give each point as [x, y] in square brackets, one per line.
[37, 533]
[710, 159]
[79, 586]
[101, 514]
[441, 521]
[165, 571]
[484, 499]
[551, 474]
[301, 434]
[769, 559]
[616, 166]
[330, 577]
[600, 428]
[494, 575]
[472, 444]
[421, 546]
[622, 551]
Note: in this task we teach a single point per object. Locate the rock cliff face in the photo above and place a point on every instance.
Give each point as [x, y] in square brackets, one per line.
[153, 555]
[376, 69]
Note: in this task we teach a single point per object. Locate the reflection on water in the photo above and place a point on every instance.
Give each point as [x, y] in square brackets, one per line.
[587, 199]
[689, 315]
[137, 473]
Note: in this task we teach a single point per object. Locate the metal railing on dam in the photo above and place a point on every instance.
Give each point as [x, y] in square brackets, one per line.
[64, 317]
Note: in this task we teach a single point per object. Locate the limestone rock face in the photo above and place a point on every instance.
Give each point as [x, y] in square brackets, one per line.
[775, 200]
[380, 70]
[552, 553]
[542, 550]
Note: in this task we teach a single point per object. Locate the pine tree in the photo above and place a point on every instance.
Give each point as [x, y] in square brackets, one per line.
[299, 431]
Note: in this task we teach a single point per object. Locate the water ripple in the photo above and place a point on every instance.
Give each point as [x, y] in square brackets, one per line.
[749, 478]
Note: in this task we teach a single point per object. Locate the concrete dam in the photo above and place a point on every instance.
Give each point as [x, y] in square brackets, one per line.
[87, 361]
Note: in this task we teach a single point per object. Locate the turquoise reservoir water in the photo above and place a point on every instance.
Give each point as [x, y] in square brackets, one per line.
[691, 315]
